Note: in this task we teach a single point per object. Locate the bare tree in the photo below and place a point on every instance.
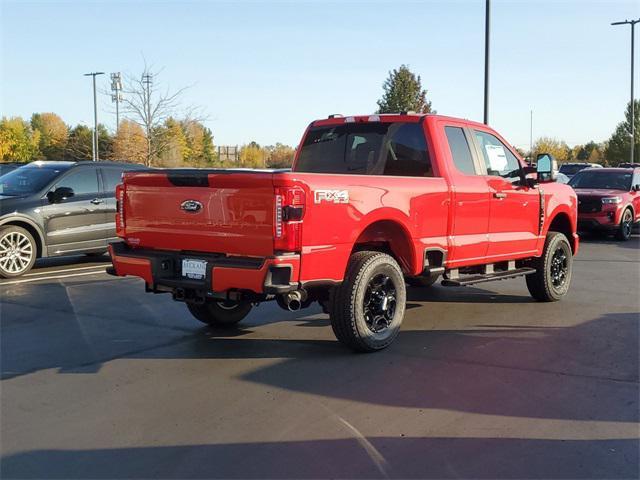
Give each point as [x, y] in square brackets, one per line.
[149, 105]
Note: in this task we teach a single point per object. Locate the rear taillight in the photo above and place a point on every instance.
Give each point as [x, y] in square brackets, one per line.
[288, 213]
[120, 210]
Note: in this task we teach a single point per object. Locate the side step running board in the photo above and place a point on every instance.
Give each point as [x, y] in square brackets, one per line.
[472, 279]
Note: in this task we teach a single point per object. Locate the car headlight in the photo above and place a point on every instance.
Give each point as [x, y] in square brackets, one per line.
[611, 200]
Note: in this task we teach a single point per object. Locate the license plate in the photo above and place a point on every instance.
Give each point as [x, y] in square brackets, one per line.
[194, 269]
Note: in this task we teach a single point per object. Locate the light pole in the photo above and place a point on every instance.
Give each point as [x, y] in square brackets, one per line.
[633, 118]
[487, 18]
[147, 79]
[531, 136]
[94, 146]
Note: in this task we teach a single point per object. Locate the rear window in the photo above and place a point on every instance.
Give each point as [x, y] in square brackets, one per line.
[572, 169]
[371, 148]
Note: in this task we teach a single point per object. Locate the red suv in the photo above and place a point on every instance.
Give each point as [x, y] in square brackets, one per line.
[608, 200]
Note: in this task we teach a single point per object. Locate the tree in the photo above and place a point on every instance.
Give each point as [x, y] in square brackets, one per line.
[150, 106]
[280, 156]
[403, 92]
[174, 144]
[558, 148]
[252, 156]
[18, 142]
[129, 143]
[619, 145]
[80, 144]
[53, 134]
[585, 151]
[199, 143]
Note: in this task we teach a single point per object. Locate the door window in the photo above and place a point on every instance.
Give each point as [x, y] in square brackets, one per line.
[460, 151]
[82, 181]
[497, 157]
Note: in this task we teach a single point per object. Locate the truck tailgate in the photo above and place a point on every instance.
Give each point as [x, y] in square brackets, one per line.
[200, 211]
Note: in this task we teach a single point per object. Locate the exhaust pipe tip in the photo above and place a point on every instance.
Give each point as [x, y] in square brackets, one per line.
[294, 305]
[292, 301]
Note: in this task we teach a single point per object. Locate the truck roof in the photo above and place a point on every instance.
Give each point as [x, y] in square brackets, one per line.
[395, 117]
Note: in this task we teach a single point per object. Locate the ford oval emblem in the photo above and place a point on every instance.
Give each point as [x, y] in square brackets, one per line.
[192, 206]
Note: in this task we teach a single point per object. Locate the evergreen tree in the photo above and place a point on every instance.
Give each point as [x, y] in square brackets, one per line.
[619, 145]
[403, 92]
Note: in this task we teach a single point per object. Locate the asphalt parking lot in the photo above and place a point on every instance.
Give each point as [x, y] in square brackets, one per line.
[100, 380]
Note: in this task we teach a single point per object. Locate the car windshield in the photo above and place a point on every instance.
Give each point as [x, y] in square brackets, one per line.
[604, 180]
[572, 169]
[367, 148]
[26, 180]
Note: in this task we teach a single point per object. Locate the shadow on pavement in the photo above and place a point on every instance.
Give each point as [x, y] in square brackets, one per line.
[343, 458]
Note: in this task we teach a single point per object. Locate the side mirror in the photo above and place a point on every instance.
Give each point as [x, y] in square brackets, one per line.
[546, 167]
[60, 194]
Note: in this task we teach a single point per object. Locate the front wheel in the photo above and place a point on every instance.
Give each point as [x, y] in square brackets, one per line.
[552, 278]
[626, 223]
[17, 251]
[368, 307]
[220, 313]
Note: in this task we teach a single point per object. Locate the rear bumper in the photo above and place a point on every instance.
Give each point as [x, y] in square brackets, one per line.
[161, 271]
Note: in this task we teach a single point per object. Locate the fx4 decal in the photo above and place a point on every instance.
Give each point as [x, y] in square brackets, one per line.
[331, 196]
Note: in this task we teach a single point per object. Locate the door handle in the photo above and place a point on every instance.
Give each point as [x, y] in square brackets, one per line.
[97, 201]
[499, 195]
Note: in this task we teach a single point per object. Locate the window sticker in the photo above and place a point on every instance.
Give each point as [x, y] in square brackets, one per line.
[497, 157]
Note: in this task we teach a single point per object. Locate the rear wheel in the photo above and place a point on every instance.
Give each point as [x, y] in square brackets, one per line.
[626, 223]
[17, 251]
[368, 307]
[220, 313]
[552, 278]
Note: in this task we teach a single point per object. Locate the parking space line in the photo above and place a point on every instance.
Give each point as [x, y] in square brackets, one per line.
[54, 277]
[52, 272]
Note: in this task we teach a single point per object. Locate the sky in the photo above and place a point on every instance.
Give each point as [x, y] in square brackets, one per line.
[262, 70]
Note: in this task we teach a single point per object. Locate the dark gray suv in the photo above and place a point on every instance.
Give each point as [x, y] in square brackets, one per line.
[56, 208]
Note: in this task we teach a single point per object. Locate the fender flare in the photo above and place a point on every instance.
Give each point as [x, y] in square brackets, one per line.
[19, 218]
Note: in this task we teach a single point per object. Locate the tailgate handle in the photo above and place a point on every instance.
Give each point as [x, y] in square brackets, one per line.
[97, 201]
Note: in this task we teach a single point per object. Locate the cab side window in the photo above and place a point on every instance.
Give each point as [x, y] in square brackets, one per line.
[111, 177]
[83, 181]
[497, 157]
[460, 151]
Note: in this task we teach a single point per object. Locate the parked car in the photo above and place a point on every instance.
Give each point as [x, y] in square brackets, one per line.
[8, 167]
[629, 165]
[56, 208]
[608, 200]
[370, 201]
[570, 169]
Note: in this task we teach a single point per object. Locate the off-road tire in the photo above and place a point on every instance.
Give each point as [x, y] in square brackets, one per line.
[347, 302]
[422, 281]
[542, 284]
[220, 313]
[24, 242]
[626, 225]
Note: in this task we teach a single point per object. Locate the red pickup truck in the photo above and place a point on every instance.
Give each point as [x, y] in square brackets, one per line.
[371, 202]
